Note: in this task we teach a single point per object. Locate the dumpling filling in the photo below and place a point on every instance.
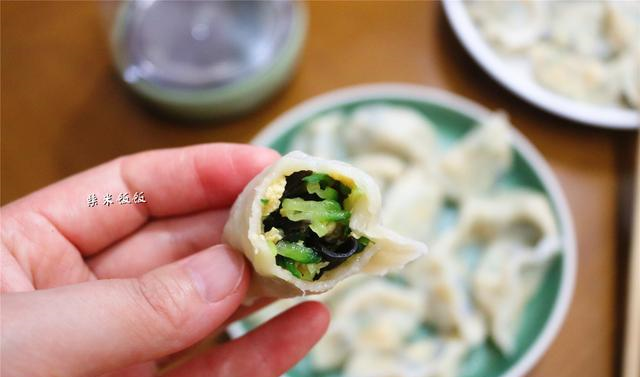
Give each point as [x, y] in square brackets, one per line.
[309, 230]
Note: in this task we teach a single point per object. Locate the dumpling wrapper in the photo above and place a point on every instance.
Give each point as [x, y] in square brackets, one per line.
[521, 214]
[473, 166]
[244, 230]
[323, 137]
[421, 358]
[580, 27]
[507, 276]
[622, 25]
[449, 305]
[412, 204]
[576, 76]
[373, 314]
[391, 129]
[511, 25]
[384, 168]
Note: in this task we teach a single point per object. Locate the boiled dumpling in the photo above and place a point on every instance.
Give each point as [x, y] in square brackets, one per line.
[578, 26]
[372, 363]
[394, 129]
[411, 205]
[622, 25]
[335, 346]
[473, 165]
[333, 349]
[384, 168]
[421, 358]
[575, 76]
[322, 137]
[449, 305]
[441, 356]
[373, 314]
[524, 215]
[511, 25]
[504, 282]
[381, 314]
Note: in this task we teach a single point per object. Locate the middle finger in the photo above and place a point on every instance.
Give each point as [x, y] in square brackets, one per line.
[159, 242]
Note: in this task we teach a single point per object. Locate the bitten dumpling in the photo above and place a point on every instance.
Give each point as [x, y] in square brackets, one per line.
[307, 223]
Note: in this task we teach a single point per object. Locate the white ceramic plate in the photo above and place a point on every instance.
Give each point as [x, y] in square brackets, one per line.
[518, 78]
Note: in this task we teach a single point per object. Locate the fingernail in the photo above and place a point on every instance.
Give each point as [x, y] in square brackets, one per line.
[216, 272]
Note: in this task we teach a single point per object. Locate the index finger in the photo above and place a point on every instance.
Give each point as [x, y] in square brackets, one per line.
[173, 182]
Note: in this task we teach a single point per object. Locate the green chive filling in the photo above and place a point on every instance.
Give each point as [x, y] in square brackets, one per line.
[297, 252]
[321, 215]
[314, 225]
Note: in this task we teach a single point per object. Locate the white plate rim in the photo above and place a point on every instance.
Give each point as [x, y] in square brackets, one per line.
[302, 111]
[484, 55]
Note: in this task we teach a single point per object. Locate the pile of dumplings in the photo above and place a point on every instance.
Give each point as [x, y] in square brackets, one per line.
[585, 50]
[490, 245]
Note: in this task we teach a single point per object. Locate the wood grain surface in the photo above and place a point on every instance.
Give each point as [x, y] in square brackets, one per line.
[64, 110]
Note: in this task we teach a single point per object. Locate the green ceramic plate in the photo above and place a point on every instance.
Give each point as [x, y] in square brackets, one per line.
[453, 117]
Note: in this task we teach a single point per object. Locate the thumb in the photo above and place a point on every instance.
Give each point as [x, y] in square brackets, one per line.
[100, 326]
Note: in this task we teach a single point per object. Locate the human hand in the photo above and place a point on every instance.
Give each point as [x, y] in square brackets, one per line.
[114, 289]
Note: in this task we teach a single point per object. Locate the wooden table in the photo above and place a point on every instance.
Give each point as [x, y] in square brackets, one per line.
[64, 110]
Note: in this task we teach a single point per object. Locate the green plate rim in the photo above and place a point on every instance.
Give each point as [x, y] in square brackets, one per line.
[403, 91]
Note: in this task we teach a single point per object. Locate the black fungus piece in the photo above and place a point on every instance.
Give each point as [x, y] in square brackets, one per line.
[297, 188]
[273, 220]
[293, 230]
[343, 191]
[332, 251]
[342, 252]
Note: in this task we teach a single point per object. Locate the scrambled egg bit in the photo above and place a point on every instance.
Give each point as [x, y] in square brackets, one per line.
[272, 195]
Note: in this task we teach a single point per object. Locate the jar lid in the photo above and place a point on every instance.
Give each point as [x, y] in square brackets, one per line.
[195, 55]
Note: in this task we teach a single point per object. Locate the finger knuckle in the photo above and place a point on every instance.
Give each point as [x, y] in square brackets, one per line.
[166, 303]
